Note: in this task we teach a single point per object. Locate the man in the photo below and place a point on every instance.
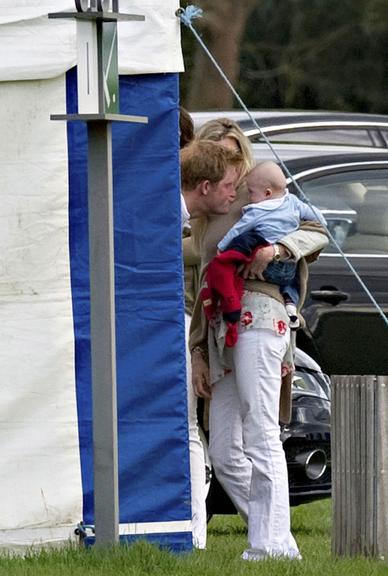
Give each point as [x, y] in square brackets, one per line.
[209, 173]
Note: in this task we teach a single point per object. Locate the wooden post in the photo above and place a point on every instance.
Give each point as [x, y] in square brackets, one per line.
[359, 465]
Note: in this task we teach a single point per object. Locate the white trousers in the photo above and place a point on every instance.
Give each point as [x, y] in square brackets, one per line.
[245, 446]
[197, 459]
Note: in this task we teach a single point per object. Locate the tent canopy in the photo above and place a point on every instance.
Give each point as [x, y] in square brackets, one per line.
[46, 478]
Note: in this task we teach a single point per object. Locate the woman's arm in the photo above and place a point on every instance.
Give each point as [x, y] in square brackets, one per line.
[307, 241]
[200, 376]
[311, 238]
[198, 347]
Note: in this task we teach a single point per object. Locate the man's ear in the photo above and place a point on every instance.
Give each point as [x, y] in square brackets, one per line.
[204, 187]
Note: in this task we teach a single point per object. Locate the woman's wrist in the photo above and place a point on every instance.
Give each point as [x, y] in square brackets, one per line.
[200, 352]
[280, 253]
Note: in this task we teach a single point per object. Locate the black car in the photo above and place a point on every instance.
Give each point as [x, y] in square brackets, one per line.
[306, 441]
[308, 127]
[339, 128]
[345, 333]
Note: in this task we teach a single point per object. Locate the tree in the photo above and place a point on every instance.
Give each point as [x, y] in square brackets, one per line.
[222, 28]
[316, 54]
[290, 54]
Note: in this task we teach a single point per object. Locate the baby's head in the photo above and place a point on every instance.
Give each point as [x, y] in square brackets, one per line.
[265, 181]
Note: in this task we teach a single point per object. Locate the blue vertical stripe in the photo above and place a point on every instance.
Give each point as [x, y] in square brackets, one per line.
[153, 436]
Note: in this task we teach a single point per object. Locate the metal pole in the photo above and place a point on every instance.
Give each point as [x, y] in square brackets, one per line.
[101, 248]
[103, 345]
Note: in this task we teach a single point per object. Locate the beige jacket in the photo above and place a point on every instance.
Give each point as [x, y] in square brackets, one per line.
[192, 266]
[305, 242]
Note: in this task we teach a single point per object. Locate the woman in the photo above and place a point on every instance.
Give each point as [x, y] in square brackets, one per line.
[244, 382]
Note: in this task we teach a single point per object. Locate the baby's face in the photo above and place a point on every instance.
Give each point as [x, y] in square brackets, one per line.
[256, 190]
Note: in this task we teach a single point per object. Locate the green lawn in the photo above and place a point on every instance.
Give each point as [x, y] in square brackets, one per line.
[226, 541]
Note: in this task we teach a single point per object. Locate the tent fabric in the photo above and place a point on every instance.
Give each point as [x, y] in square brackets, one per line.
[35, 47]
[40, 477]
[46, 477]
[149, 304]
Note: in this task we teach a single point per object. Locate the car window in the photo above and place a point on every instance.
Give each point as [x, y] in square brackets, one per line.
[349, 136]
[384, 134]
[355, 205]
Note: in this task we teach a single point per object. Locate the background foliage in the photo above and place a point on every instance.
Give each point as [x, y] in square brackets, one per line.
[312, 54]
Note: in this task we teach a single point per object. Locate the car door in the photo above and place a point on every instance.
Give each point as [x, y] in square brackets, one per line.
[344, 331]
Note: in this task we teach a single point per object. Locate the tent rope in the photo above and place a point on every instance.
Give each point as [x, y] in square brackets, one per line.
[187, 15]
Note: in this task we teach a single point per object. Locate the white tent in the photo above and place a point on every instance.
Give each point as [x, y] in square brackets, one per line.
[45, 445]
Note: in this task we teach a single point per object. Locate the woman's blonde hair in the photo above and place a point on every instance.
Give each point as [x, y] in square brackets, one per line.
[221, 128]
[217, 130]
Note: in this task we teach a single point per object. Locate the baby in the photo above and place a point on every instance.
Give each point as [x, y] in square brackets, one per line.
[271, 214]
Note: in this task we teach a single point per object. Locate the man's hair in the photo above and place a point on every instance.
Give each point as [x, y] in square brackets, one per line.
[206, 160]
[186, 127]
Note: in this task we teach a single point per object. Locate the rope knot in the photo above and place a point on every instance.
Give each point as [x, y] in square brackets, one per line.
[188, 14]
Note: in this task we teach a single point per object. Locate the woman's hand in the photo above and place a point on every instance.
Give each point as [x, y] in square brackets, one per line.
[200, 375]
[259, 263]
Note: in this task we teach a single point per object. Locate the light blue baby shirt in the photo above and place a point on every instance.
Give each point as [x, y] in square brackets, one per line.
[272, 219]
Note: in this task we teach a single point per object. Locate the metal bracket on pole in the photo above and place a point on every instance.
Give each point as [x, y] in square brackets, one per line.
[98, 105]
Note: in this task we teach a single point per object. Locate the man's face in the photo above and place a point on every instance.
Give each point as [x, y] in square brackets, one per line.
[221, 195]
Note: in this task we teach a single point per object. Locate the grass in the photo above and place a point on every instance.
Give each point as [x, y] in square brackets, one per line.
[226, 540]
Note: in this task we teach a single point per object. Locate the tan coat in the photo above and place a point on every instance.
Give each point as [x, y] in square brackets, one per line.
[307, 241]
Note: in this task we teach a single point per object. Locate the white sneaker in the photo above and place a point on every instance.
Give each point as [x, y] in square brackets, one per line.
[251, 556]
[293, 316]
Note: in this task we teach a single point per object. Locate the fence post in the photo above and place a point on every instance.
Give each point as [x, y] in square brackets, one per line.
[360, 465]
